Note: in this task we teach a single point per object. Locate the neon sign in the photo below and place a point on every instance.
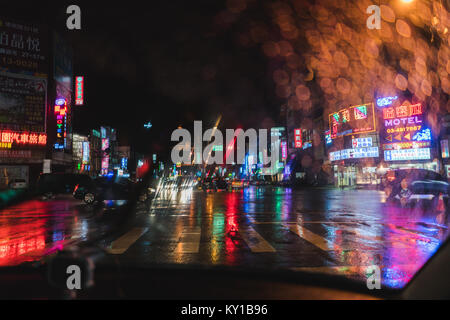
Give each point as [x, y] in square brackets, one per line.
[61, 123]
[386, 101]
[328, 139]
[283, 150]
[402, 111]
[8, 138]
[406, 145]
[105, 144]
[298, 138]
[352, 120]
[424, 135]
[79, 91]
[407, 138]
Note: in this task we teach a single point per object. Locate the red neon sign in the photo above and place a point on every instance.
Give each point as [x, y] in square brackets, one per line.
[298, 138]
[79, 91]
[61, 125]
[23, 138]
[402, 111]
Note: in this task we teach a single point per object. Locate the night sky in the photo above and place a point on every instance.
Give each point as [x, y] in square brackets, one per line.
[168, 62]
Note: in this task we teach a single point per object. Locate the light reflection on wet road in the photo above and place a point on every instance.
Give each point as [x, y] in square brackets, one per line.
[323, 230]
[36, 228]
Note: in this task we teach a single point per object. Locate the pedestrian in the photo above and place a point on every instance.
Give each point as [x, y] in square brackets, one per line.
[404, 194]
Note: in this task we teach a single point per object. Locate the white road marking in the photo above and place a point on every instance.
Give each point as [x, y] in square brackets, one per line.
[254, 240]
[311, 237]
[122, 244]
[189, 240]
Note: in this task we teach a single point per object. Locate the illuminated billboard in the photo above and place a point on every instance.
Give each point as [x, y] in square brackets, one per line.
[407, 154]
[404, 130]
[355, 153]
[352, 120]
[8, 139]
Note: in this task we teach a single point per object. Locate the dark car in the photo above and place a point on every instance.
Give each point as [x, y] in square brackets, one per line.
[416, 187]
[208, 184]
[221, 184]
[51, 184]
[105, 188]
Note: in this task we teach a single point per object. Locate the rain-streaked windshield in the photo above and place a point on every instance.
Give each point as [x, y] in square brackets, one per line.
[301, 135]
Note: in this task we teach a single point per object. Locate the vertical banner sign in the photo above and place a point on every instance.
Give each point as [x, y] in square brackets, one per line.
[283, 150]
[79, 91]
[61, 124]
[298, 138]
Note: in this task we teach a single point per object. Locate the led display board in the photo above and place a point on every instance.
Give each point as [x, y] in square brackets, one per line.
[352, 120]
[407, 154]
[362, 142]
[355, 153]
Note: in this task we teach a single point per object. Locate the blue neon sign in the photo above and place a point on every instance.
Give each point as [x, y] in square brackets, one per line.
[424, 135]
[386, 101]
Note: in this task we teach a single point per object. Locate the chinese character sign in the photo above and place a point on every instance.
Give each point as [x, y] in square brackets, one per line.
[352, 120]
[61, 126]
[23, 48]
[298, 138]
[22, 103]
[79, 91]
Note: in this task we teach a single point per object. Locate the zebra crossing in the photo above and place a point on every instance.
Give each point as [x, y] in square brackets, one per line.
[189, 239]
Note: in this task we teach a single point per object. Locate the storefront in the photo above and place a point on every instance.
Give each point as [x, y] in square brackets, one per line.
[357, 162]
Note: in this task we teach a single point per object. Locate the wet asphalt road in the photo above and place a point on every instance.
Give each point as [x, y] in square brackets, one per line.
[321, 230]
[318, 230]
[34, 229]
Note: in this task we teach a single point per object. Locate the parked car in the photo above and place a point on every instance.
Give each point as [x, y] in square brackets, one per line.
[416, 187]
[18, 184]
[51, 184]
